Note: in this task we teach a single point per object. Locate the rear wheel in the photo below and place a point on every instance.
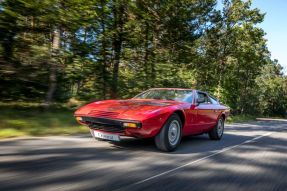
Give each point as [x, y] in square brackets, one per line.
[170, 135]
[217, 132]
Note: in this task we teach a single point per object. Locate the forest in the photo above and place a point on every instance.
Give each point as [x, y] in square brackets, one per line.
[52, 51]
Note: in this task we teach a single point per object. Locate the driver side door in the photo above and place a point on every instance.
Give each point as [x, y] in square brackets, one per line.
[204, 112]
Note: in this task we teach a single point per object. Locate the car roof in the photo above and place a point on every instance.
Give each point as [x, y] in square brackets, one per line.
[171, 89]
[179, 89]
[183, 89]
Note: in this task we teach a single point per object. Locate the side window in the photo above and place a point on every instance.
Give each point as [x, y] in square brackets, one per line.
[189, 98]
[206, 98]
[213, 100]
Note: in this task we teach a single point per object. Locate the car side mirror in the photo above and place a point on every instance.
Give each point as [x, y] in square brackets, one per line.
[200, 100]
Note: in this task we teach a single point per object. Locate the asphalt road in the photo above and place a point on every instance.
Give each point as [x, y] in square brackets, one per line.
[251, 156]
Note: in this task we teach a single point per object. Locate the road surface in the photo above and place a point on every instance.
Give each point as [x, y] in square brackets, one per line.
[251, 156]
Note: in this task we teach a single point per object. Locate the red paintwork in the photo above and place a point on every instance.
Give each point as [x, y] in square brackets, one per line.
[197, 118]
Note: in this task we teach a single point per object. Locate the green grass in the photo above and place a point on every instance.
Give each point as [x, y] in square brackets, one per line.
[18, 121]
[240, 118]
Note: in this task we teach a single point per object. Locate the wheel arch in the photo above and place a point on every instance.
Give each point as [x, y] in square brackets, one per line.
[222, 115]
[181, 116]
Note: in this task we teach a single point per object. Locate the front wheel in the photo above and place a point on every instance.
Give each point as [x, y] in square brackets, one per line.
[217, 132]
[170, 135]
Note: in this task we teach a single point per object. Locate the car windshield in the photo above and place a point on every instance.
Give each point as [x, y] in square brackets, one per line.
[163, 94]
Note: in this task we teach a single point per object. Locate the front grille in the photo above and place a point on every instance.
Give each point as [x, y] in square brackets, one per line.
[104, 114]
[102, 124]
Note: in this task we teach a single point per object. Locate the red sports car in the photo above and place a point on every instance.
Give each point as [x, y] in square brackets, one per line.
[166, 114]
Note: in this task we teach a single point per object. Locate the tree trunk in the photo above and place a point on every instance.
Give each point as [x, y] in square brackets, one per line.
[104, 69]
[155, 40]
[53, 68]
[104, 54]
[220, 73]
[117, 45]
[146, 55]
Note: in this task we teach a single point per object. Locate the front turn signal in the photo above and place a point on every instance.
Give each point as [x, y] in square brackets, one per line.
[130, 125]
[79, 118]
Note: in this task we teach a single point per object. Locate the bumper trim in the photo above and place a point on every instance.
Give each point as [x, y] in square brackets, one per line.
[108, 125]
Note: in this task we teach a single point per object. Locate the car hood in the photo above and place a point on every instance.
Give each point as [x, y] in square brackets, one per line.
[125, 109]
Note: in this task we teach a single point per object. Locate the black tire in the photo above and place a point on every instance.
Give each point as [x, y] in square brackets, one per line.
[215, 133]
[162, 140]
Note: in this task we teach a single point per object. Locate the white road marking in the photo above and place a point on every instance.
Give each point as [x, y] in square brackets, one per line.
[270, 119]
[198, 160]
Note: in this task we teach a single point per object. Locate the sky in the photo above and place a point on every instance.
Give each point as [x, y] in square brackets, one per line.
[275, 26]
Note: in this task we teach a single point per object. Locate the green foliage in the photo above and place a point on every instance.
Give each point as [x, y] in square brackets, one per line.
[272, 90]
[102, 49]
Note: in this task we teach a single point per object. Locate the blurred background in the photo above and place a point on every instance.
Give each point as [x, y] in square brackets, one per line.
[56, 55]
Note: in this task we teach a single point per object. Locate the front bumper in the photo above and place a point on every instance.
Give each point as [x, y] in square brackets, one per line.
[146, 128]
[109, 125]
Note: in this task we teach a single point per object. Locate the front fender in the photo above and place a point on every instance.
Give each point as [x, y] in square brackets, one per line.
[156, 122]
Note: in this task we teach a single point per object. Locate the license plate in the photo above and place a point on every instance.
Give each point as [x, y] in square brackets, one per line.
[107, 136]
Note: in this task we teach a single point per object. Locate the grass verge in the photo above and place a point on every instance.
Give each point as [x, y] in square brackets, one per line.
[34, 121]
[240, 118]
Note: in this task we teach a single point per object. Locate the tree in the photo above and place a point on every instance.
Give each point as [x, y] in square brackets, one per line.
[233, 51]
[53, 50]
[272, 90]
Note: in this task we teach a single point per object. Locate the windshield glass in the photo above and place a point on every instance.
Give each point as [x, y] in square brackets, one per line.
[163, 94]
